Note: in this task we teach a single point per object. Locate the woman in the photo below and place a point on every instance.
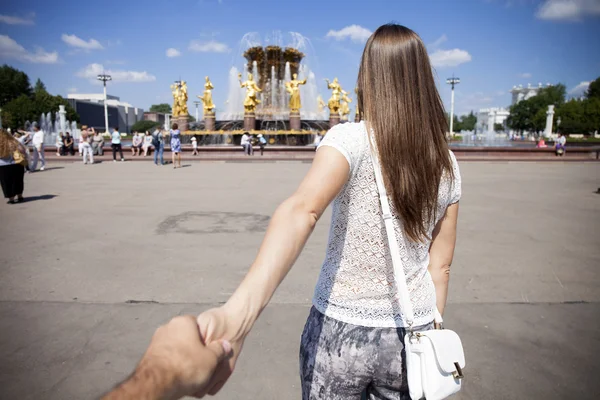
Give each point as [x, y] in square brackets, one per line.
[12, 167]
[176, 145]
[146, 143]
[353, 340]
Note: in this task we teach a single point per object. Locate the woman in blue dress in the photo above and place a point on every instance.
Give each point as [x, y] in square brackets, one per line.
[176, 145]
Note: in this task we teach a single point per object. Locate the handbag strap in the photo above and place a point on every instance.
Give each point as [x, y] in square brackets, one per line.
[399, 276]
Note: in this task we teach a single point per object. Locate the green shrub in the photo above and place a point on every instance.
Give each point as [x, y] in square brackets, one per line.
[144, 125]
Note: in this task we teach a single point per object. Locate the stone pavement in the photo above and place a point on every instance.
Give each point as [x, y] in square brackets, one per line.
[103, 254]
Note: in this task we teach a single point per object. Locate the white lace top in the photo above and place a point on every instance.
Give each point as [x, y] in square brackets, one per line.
[356, 284]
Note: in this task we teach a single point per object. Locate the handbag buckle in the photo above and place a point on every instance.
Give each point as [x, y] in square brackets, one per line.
[458, 374]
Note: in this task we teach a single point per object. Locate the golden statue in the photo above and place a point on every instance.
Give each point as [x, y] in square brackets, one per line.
[344, 107]
[180, 98]
[293, 88]
[209, 106]
[334, 101]
[320, 103]
[250, 102]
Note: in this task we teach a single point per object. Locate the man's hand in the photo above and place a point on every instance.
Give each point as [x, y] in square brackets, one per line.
[176, 364]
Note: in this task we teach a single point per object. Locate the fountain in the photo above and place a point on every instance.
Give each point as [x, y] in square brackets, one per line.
[272, 61]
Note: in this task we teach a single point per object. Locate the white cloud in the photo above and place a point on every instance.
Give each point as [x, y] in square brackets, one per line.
[211, 46]
[580, 89]
[525, 75]
[9, 49]
[72, 90]
[171, 52]
[356, 33]
[12, 20]
[449, 58]
[91, 71]
[438, 41]
[568, 10]
[79, 43]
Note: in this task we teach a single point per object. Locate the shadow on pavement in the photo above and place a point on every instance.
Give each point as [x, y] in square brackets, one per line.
[36, 198]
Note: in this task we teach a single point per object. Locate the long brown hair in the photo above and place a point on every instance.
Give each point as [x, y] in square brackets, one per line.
[8, 144]
[401, 105]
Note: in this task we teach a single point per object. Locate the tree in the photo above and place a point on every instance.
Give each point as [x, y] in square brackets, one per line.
[13, 83]
[571, 116]
[468, 122]
[28, 106]
[594, 89]
[161, 108]
[530, 114]
[39, 87]
[17, 111]
[144, 125]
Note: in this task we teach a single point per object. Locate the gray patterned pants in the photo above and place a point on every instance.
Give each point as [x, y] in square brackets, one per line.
[340, 361]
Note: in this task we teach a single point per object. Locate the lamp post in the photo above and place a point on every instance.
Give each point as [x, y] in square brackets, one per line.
[452, 81]
[197, 103]
[104, 78]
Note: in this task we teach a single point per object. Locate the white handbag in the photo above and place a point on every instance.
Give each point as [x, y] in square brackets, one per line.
[435, 358]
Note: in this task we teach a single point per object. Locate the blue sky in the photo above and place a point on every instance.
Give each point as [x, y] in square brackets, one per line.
[490, 44]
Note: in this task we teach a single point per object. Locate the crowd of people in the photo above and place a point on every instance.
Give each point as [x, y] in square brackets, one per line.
[249, 141]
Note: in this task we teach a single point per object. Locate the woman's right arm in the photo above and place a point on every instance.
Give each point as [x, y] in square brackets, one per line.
[441, 253]
[289, 229]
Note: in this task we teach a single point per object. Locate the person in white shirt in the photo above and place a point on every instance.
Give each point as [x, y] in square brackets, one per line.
[59, 144]
[38, 148]
[560, 145]
[353, 340]
[194, 146]
[115, 143]
[247, 144]
[86, 145]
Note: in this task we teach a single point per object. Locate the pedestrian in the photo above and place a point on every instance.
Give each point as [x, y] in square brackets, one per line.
[38, 148]
[116, 144]
[68, 145]
[194, 146]
[98, 144]
[364, 304]
[59, 144]
[176, 145]
[86, 145]
[13, 160]
[560, 145]
[158, 141]
[262, 142]
[247, 144]
[136, 144]
[146, 143]
[80, 140]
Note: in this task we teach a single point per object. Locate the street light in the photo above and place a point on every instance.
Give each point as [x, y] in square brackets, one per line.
[452, 81]
[104, 78]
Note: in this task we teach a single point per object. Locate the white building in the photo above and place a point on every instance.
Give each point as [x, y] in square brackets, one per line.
[488, 117]
[523, 93]
[90, 108]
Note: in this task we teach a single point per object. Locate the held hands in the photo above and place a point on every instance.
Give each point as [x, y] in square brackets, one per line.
[221, 324]
[178, 348]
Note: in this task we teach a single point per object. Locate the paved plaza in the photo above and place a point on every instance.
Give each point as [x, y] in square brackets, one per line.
[103, 254]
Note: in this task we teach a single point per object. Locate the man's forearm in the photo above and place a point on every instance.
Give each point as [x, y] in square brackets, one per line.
[149, 381]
